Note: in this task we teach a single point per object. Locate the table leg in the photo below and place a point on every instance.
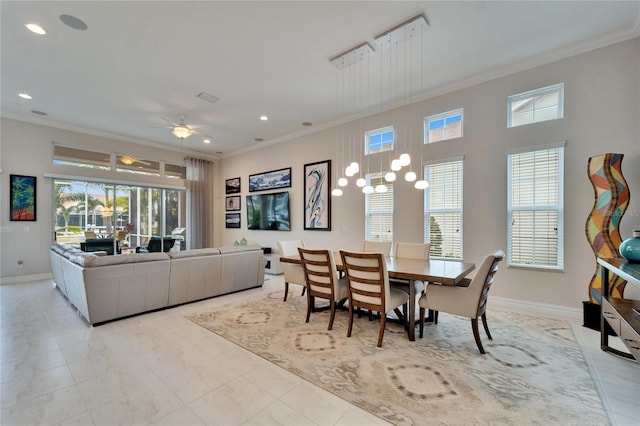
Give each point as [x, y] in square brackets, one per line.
[412, 310]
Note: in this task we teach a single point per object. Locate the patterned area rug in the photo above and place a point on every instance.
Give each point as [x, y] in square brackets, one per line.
[533, 372]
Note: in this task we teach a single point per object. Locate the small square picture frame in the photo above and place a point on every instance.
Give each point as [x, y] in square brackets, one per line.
[232, 186]
[232, 203]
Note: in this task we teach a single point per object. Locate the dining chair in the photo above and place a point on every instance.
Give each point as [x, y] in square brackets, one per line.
[322, 280]
[402, 250]
[90, 235]
[467, 299]
[383, 247]
[293, 274]
[368, 287]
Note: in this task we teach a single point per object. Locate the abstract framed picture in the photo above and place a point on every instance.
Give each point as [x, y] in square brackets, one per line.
[22, 203]
[232, 186]
[232, 203]
[232, 220]
[270, 180]
[317, 199]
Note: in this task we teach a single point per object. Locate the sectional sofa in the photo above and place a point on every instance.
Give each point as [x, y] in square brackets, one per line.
[104, 288]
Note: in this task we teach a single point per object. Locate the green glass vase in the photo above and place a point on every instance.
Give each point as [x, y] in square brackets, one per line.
[630, 248]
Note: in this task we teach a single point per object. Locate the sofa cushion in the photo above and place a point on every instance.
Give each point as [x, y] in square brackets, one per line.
[127, 258]
[193, 253]
[238, 249]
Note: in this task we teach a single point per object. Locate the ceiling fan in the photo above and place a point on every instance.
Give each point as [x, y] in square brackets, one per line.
[181, 129]
[128, 160]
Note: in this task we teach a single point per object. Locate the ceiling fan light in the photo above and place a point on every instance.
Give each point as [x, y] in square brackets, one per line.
[181, 132]
[405, 159]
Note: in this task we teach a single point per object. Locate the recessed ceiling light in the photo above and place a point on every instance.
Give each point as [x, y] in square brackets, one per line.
[264, 118]
[306, 123]
[73, 22]
[25, 95]
[206, 140]
[258, 139]
[39, 112]
[35, 28]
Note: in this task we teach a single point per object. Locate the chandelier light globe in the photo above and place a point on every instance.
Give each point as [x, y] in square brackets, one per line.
[343, 181]
[381, 188]
[410, 176]
[395, 165]
[390, 177]
[405, 159]
[355, 167]
[421, 184]
[337, 192]
[361, 182]
[349, 171]
[368, 189]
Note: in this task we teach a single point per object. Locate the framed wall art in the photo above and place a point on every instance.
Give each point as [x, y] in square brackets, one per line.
[232, 220]
[22, 203]
[270, 180]
[232, 203]
[232, 186]
[317, 198]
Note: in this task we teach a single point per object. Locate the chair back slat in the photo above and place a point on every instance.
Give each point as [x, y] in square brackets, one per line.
[320, 272]
[383, 247]
[411, 250]
[367, 279]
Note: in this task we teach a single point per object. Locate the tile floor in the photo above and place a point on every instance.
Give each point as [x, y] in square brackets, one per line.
[161, 369]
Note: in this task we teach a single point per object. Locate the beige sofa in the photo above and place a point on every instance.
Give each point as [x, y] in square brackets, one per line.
[105, 288]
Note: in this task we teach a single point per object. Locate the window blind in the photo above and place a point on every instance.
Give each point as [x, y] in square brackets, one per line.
[379, 211]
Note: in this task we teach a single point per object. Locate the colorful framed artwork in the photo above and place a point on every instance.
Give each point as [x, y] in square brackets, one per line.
[270, 180]
[232, 220]
[232, 186]
[22, 203]
[232, 203]
[317, 198]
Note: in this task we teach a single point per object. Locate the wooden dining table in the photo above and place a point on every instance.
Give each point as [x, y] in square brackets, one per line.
[445, 272]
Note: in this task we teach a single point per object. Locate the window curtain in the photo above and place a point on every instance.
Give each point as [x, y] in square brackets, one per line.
[200, 203]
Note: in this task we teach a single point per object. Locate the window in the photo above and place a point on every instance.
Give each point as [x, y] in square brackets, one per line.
[379, 140]
[67, 156]
[535, 106]
[535, 208]
[379, 210]
[128, 164]
[441, 127]
[443, 209]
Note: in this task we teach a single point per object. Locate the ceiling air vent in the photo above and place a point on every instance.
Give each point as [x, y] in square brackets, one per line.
[207, 97]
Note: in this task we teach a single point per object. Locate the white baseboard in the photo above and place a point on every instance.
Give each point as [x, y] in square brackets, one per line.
[555, 310]
[25, 278]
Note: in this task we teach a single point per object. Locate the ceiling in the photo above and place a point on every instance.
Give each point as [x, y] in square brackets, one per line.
[140, 61]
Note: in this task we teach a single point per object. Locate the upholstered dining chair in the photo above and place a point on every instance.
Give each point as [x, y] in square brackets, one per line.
[468, 299]
[383, 247]
[368, 287]
[402, 250]
[293, 274]
[322, 280]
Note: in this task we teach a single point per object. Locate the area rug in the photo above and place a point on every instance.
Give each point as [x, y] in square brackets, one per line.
[533, 373]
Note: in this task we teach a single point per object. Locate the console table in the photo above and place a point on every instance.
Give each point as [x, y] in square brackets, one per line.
[621, 314]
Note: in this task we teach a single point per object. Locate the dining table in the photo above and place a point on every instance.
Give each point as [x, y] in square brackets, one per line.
[440, 271]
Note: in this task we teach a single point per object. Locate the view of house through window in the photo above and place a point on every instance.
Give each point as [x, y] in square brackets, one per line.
[139, 213]
[445, 126]
[379, 140]
[536, 105]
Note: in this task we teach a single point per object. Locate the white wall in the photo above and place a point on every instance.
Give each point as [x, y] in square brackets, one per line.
[602, 110]
[602, 114]
[27, 149]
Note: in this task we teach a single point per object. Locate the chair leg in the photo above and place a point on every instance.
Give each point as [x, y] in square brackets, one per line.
[286, 290]
[381, 332]
[310, 304]
[303, 290]
[476, 334]
[350, 320]
[422, 312]
[486, 327]
[435, 317]
[333, 314]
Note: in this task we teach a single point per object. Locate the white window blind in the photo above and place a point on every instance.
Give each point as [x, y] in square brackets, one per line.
[443, 209]
[535, 208]
[379, 211]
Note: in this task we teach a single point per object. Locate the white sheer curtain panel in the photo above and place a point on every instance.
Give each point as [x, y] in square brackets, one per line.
[200, 203]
